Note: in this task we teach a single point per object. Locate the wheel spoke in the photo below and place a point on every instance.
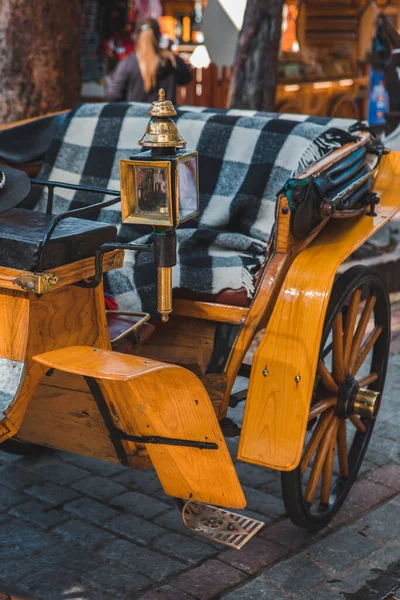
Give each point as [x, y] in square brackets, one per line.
[315, 439]
[328, 468]
[349, 325]
[360, 331]
[337, 358]
[368, 379]
[319, 462]
[321, 407]
[327, 378]
[342, 449]
[366, 348]
[358, 424]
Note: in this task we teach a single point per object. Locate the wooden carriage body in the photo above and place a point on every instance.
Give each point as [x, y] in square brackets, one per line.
[156, 403]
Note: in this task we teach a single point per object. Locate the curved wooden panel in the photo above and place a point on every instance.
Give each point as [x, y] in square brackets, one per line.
[148, 398]
[278, 403]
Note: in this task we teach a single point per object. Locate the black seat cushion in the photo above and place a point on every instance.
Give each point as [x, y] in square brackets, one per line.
[29, 141]
[21, 232]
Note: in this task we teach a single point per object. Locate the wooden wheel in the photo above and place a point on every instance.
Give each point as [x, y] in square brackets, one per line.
[349, 383]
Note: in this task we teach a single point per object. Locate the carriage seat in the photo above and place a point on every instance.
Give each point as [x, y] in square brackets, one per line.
[21, 233]
[29, 141]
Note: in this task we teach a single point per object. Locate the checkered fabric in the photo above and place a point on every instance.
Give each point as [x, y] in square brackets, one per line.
[245, 158]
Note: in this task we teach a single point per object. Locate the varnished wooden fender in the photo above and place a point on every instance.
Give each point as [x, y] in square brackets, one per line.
[150, 398]
[284, 365]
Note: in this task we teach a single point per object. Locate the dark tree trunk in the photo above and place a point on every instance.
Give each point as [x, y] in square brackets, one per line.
[255, 70]
[39, 57]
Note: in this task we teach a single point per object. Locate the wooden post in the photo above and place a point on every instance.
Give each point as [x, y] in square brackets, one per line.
[39, 57]
[255, 71]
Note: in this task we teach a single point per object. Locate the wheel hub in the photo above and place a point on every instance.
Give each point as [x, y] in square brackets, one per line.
[353, 400]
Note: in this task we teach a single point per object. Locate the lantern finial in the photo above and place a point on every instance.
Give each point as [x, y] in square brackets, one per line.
[161, 131]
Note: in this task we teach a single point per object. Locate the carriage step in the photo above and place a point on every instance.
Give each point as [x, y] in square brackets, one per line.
[220, 525]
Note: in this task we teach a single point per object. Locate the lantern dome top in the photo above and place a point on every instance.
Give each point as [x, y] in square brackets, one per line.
[161, 131]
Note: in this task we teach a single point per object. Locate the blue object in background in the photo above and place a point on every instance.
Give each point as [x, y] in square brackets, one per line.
[378, 104]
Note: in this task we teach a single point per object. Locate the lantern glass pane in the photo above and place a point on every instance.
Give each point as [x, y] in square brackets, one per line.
[188, 188]
[152, 191]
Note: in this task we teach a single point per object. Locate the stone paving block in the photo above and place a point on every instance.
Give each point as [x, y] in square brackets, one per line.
[15, 569]
[94, 465]
[273, 487]
[8, 457]
[381, 451]
[347, 513]
[172, 520]
[395, 499]
[341, 549]
[60, 472]
[99, 487]
[141, 481]
[93, 511]
[252, 475]
[387, 429]
[286, 534]
[156, 566]
[189, 549]
[297, 575]
[166, 592]
[37, 460]
[10, 497]
[257, 589]
[139, 504]
[367, 494]
[117, 580]
[18, 540]
[352, 582]
[83, 534]
[325, 594]
[208, 580]
[48, 585]
[68, 558]
[382, 559]
[16, 478]
[51, 493]
[388, 475]
[265, 504]
[382, 524]
[257, 554]
[134, 528]
[39, 513]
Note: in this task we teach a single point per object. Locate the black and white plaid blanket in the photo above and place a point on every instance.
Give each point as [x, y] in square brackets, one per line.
[245, 158]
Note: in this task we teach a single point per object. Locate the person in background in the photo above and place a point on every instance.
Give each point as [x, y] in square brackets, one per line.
[138, 77]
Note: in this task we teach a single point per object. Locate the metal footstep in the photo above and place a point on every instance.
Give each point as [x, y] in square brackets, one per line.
[220, 525]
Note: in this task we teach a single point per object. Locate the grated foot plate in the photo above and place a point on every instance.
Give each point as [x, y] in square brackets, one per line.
[219, 524]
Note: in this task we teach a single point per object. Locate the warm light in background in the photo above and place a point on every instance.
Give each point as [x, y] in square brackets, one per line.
[200, 59]
[235, 11]
[289, 42]
[321, 85]
[346, 82]
[292, 88]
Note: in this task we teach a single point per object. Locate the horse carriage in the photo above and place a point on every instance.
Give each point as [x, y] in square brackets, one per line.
[268, 208]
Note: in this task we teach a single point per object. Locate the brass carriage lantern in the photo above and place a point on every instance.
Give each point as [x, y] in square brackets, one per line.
[160, 187]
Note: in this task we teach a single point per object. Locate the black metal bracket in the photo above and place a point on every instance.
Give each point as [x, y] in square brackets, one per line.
[78, 212]
[155, 439]
[98, 261]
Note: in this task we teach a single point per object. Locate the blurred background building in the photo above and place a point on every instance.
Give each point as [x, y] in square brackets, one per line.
[324, 65]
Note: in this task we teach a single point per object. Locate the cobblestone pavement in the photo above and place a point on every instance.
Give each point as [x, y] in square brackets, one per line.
[73, 528]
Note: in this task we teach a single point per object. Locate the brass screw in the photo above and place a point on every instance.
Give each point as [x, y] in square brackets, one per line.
[297, 379]
[265, 372]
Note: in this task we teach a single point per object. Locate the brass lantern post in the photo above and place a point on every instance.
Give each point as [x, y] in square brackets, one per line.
[159, 187]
